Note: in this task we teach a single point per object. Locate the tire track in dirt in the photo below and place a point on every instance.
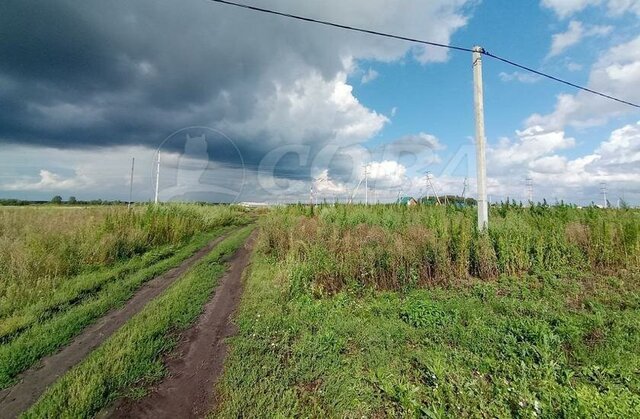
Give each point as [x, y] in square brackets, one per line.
[196, 364]
[34, 381]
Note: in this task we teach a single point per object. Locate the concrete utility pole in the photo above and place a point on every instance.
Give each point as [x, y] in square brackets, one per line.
[483, 211]
[133, 162]
[157, 178]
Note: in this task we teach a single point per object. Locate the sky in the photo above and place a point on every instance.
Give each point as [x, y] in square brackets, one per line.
[242, 106]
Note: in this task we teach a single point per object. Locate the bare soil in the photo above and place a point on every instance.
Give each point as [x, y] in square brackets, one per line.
[34, 381]
[196, 364]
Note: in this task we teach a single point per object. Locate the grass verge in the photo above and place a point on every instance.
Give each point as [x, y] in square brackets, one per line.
[41, 329]
[537, 345]
[133, 353]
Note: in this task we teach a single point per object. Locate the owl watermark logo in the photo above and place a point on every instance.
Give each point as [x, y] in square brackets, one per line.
[198, 164]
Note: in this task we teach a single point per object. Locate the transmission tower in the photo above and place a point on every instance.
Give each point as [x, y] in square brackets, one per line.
[366, 184]
[465, 185]
[603, 189]
[430, 185]
[529, 190]
[311, 193]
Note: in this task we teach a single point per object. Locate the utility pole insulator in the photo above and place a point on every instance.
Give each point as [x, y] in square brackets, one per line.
[481, 171]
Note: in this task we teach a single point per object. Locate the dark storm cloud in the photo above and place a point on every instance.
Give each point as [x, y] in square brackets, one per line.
[50, 43]
[98, 74]
[78, 74]
[142, 72]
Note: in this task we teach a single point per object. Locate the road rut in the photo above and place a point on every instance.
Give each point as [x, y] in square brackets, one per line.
[34, 381]
[196, 364]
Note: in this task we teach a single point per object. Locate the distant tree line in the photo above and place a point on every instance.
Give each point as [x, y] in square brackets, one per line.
[448, 200]
[58, 200]
[72, 200]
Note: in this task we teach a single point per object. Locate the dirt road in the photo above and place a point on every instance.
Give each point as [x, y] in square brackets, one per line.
[34, 381]
[196, 364]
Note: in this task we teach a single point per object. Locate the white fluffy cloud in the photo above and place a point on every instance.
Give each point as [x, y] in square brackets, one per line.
[617, 73]
[533, 153]
[565, 8]
[571, 66]
[50, 181]
[538, 155]
[86, 173]
[562, 41]
[549, 164]
[323, 184]
[518, 76]
[622, 148]
[369, 76]
[388, 172]
[309, 110]
[531, 144]
[574, 34]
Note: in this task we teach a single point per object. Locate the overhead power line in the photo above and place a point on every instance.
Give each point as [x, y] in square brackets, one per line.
[337, 25]
[586, 89]
[420, 41]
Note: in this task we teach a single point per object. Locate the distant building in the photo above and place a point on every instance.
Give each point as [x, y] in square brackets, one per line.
[408, 201]
[254, 204]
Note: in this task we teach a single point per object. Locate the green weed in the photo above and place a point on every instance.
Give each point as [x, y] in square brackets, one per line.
[390, 312]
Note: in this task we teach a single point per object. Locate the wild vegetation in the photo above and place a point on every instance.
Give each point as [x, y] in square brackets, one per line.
[389, 310]
[64, 268]
[398, 247]
[41, 247]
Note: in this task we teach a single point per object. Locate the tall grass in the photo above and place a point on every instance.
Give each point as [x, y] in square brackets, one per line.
[40, 248]
[546, 322]
[391, 247]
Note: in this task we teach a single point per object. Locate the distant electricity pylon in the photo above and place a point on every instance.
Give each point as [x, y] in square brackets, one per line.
[603, 189]
[366, 184]
[358, 186]
[320, 180]
[430, 185]
[465, 185]
[529, 190]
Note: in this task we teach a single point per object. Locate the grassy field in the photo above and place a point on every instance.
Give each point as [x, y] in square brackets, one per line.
[94, 260]
[41, 247]
[132, 356]
[394, 311]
